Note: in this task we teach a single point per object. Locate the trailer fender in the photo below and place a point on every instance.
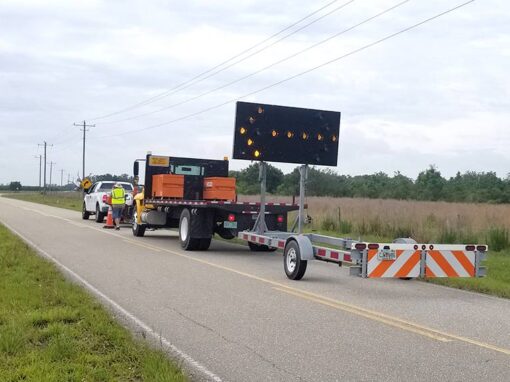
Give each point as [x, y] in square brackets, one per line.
[305, 246]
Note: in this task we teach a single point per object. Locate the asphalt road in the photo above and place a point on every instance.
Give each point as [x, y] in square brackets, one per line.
[234, 315]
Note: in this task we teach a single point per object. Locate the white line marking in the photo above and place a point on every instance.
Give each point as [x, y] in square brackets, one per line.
[188, 359]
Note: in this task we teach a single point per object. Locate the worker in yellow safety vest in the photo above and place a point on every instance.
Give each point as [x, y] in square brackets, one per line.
[118, 202]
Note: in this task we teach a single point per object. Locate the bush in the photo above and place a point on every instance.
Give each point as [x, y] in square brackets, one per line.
[497, 238]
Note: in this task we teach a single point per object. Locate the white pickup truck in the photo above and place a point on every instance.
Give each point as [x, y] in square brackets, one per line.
[94, 202]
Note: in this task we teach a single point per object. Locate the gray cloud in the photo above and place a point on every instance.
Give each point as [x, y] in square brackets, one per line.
[438, 94]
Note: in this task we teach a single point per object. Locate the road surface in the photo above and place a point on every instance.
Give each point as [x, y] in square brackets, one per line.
[234, 316]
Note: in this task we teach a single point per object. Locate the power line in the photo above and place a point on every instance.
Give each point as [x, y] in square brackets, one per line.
[45, 144]
[40, 168]
[353, 52]
[51, 171]
[84, 138]
[182, 85]
[264, 68]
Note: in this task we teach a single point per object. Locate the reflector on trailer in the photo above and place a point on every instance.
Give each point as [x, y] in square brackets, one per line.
[286, 134]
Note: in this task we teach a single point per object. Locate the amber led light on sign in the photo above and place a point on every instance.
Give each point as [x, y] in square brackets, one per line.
[320, 137]
[274, 133]
[304, 136]
[260, 110]
[252, 120]
[290, 134]
[256, 154]
[242, 130]
[250, 142]
[333, 138]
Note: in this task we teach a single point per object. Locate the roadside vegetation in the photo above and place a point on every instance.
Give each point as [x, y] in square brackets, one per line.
[52, 330]
[71, 200]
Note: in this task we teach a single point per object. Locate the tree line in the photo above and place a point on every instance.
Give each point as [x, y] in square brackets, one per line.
[471, 186]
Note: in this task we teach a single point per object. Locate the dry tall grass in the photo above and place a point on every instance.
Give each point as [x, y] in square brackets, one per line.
[425, 221]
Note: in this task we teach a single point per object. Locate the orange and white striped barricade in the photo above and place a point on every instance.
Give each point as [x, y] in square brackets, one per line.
[394, 260]
[454, 260]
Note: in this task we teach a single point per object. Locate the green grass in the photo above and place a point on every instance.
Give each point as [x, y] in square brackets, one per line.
[72, 200]
[52, 330]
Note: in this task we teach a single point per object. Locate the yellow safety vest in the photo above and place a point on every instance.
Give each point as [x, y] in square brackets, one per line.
[118, 196]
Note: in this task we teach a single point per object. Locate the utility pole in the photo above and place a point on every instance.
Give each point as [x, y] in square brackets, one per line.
[45, 144]
[61, 177]
[84, 124]
[68, 177]
[51, 171]
[40, 168]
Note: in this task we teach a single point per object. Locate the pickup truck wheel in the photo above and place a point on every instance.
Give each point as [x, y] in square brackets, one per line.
[84, 213]
[138, 229]
[99, 214]
[260, 247]
[295, 268]
[187, 242]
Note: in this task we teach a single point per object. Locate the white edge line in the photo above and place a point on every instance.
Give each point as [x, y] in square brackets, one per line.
[179, 353]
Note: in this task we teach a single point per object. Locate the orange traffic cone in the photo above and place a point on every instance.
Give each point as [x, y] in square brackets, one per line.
[109, 219]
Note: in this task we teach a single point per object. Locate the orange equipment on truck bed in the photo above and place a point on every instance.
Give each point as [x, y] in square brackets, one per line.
[219, 188]
[168, 186]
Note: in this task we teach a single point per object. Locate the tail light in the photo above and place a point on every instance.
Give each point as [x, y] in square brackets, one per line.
[279, 219]
[231, 218]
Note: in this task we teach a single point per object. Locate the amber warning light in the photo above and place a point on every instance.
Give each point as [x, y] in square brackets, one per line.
[286, 134]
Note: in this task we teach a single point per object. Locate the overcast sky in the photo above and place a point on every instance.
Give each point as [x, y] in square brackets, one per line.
[438, 94]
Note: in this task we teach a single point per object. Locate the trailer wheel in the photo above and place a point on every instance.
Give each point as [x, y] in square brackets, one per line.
[260, 247]
[99, 214]
[84, 213]
[295, 268]
[138, 229]
[187, 242]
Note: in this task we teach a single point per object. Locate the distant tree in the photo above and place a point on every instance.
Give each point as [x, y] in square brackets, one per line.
[429, 184]
[15, 186]
[248, 179]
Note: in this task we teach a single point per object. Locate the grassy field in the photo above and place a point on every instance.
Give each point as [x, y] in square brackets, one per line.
[72, 200]
[51, 330]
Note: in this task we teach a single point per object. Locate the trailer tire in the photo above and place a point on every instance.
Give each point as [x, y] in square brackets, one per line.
[188, 243]
[294, 266]
[138, 229]
[84, 213]
[260, 247]
[99, 215]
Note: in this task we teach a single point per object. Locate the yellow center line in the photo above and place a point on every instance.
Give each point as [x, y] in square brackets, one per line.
[155, 249]
[395, 323]
[351, 308]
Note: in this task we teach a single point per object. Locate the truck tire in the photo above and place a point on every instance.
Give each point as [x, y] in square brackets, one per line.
[188, 242]
[204, 244]
[295, 268]
[138, 229]
[84, 213]
[99, 215]
[260, 247]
